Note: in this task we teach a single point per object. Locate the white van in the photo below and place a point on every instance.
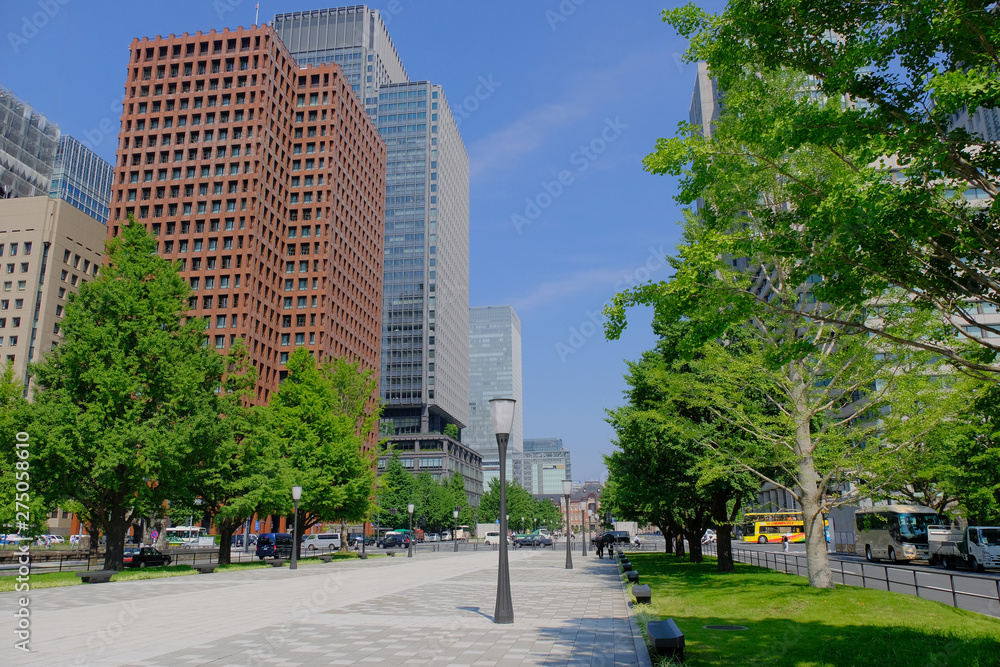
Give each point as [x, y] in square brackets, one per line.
[493, 537]
[321, 542]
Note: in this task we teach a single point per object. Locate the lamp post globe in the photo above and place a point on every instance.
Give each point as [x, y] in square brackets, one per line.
[502, 418]
[296, 495]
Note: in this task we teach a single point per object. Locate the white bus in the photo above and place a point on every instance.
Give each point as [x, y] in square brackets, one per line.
[893, 532]
[191, 536]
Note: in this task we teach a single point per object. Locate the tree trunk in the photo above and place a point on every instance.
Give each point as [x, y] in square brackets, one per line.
[811, 495]
[724, 549]
[679, 545]
[114, 553]
[668, 539]
[695, 542]
[226, 530]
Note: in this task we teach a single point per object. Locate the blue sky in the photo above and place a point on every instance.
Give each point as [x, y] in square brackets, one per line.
[558, 102]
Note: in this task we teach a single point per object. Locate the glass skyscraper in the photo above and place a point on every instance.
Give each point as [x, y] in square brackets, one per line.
[494, 372]
[27, 148]
[82, 178]
[543, 465]
[425, 310]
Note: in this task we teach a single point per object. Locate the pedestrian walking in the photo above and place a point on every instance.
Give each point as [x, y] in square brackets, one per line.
[784, 542]
[599, 543]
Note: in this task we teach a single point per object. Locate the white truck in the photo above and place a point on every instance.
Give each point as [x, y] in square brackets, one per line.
[977, 547]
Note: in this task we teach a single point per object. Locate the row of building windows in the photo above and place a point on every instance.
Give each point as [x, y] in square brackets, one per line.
[12, 248]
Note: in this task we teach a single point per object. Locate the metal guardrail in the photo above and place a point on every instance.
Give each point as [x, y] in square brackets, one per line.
[971, 592]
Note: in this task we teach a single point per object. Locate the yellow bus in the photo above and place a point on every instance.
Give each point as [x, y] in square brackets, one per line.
[765, 527]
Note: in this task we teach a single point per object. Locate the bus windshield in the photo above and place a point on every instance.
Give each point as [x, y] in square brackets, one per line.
[913, 527]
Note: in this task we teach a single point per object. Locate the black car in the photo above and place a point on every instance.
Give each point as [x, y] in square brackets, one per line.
[533, 541]
[145, 557]
[389, 541]
[355, 539]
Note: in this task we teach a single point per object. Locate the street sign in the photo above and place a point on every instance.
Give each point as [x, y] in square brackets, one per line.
[256, 525]
[154, 534]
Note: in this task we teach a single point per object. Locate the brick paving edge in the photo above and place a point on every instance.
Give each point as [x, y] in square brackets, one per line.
[641, 651]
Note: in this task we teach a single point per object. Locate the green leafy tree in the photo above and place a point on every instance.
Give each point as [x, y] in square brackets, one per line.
[126, 403]
[322, 419]
[235, 481]
[395, 493]
[451, 430]
[850, 109]
[22, 509]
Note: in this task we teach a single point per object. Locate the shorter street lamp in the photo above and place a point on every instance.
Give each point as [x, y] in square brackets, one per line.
[409, 550]
[567, 490]
[454, 534]
[502, 419]
[583, 524]
[296, 494]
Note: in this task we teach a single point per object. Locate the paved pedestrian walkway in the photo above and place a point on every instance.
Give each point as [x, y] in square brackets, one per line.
[433, 609]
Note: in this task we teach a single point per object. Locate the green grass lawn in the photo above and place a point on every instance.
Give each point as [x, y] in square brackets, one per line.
[790, 623]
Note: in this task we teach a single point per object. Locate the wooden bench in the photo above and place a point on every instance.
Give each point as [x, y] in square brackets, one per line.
[390, 553]
[326, 558]
[96, 576]
[642, 594]
[206, 568]
[276, 562]
[666, 638]
[626, 567]
[633, 576]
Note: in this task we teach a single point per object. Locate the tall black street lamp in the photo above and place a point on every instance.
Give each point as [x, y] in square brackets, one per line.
[454, 533]
[583, 524]
[409, 550]
[567, 490]
[296, 494]
[502, 416]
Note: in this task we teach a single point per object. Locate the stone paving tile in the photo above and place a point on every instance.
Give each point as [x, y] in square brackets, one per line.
[432, 610]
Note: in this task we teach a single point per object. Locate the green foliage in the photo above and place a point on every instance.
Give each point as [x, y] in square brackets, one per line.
[396, 490]
[27, 508]
[322, 419]
[520, 503]
[126, 405]
[451, 430]
[852, 133]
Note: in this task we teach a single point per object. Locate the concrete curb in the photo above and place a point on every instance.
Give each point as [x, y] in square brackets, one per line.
[640, 644]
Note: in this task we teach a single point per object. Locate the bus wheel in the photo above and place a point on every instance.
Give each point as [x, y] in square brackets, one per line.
[868, 554]
[761, 540]
[892, 555]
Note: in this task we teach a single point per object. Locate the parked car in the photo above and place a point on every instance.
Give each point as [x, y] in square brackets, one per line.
[354, 538]
[445, 536]
[274, 545]
[433, 537]
[493, 537]
[321, 542]
[394, 540]
[145, 557]
[533, 540]
[615, 537]
[709, 537]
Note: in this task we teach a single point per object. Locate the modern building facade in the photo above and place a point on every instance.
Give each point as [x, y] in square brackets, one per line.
[27, 148]
[424, 338]
[48, 249]
[82, 177]
[495, 372]
[543, 465]
[266, 181]
[442, 457]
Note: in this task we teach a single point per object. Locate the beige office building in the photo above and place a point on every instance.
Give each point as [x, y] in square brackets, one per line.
[48, 248]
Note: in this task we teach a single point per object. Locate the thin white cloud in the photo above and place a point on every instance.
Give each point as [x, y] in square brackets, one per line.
[580, 281]
[585, 93]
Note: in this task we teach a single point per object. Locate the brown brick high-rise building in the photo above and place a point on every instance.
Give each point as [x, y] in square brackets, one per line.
[266, 181]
